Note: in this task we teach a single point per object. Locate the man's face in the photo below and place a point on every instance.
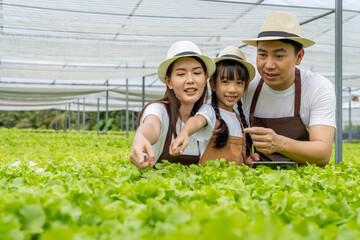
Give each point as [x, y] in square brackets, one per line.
[276, 63]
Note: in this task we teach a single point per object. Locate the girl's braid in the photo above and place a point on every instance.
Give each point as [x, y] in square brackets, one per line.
[249, 142]
[223, 130]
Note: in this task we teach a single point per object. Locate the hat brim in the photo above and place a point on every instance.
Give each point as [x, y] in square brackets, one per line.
[249, 67]
[304, 41]
[163, 67]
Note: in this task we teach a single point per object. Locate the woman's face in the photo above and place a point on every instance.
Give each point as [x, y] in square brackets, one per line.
[187, 80]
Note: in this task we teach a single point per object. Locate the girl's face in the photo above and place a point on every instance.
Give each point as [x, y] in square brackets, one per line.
[187, 80]
[228, 91]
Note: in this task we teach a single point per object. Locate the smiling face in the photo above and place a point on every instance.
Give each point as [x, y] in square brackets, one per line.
[187, 80]
[276, 63]
[229, 88]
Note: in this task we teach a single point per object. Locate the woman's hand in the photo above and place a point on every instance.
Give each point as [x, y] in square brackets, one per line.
[179, 144]
[142, 154]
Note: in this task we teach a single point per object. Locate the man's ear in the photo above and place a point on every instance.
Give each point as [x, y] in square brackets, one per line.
[168, 82]
[212, 83]
[300, 56]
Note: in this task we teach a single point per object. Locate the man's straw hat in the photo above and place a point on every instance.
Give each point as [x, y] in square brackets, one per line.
[235, 54]
[184, 49]
[280, 25]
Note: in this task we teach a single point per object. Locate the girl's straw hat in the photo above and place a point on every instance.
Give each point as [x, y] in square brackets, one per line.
[184, 49]
[235, 54]
[280, 25]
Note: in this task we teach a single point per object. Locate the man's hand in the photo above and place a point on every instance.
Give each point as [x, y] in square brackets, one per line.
[265, 140]
[315, 151]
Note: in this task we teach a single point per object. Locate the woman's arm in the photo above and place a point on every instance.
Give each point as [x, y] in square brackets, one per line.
[146, 135]
[193, 125]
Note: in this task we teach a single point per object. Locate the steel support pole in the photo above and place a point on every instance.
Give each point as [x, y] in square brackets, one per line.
[98, 115]
[58, 112]
[65, 119]
[350, 123]
[127, 108]
[338, 80]
[107, 112]
[59, 119]
[69, 117]
[83, 116]
[55, 127]
[132, 121]
[78, 115]
[121, 119]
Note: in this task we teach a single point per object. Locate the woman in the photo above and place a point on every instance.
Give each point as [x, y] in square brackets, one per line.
[185, 72]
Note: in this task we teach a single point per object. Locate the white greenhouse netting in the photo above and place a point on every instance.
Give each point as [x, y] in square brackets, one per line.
[55, 52]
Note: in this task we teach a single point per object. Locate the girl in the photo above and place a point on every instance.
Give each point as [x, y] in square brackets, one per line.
[218, 124]
[185, 72]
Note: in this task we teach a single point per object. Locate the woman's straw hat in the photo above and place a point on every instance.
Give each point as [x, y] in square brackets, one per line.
[184, 49]
[235, 54]
[280, 25]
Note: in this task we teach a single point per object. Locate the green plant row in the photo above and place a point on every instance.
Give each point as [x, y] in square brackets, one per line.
[75, 186]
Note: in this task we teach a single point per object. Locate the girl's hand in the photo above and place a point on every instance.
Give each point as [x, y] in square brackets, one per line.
[254, 157]
[142, 154]
[179, 144]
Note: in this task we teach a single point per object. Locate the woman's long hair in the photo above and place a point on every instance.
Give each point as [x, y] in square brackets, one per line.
[172, 103]
[233, 70]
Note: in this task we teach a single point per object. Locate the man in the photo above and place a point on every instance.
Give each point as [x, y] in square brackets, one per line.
[291, 111]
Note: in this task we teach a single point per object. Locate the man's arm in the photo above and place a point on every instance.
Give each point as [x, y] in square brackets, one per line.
[316, 151]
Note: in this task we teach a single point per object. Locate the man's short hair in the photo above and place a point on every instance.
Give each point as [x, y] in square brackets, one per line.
[297, 46]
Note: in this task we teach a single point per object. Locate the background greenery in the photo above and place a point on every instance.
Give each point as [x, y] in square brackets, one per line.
[46, 119]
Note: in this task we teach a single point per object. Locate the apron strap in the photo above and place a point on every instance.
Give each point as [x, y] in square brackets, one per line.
[255, 97]
[167, 140]
[297, 92]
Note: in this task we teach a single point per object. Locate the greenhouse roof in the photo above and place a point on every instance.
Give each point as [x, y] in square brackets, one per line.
[53, 52]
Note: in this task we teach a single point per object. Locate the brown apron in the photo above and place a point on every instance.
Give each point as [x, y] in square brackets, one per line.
[182, 159]
[291, 127]
[232, 151]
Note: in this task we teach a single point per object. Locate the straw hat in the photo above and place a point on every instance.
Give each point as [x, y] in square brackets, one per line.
[280, 25]
[184, 49]
[235, 54]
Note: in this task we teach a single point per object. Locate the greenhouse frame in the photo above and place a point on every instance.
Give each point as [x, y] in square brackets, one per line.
[102, 56]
